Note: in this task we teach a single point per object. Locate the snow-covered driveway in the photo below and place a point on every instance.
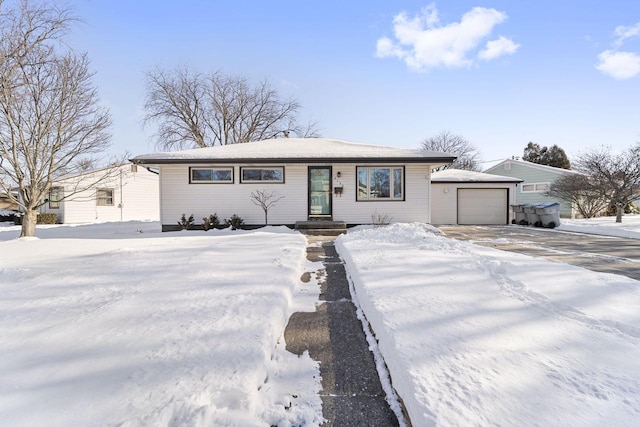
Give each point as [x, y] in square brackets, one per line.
[608, 254]
[477, 336]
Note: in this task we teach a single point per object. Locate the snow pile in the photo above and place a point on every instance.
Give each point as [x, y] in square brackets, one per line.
[606, 226]
[477, 336]
[138, 328]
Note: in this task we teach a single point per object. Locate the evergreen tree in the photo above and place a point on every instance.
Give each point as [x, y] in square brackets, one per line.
[550, 156]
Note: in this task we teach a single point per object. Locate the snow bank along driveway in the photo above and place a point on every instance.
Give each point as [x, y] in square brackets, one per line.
[477, 336]
[153, 329]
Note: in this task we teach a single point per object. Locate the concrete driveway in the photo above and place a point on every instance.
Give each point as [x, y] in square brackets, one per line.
[598, 253]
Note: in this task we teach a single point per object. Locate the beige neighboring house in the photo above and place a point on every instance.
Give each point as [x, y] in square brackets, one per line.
[128, 193]
[6, 203]
[471, 198]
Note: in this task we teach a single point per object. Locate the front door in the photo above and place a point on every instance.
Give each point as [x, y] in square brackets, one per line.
[320, 192]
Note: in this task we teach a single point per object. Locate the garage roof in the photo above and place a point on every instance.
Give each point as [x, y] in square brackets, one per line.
[459, 175]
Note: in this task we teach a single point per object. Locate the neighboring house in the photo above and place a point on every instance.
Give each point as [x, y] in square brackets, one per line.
[465, 197]
[319, 178]
[7, 203]
[126, 193]
[537, 179]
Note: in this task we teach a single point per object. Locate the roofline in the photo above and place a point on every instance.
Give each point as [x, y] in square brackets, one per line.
[535, 166]
[476, 182]
[429, 160]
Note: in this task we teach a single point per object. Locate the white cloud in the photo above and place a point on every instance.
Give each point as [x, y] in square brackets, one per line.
[499, 47]
[625, 33]
[422, 42]
[619, 65]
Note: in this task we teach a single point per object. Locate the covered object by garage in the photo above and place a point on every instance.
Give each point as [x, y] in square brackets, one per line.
[471, 198]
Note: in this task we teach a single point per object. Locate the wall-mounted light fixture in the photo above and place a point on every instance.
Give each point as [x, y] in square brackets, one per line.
[338, 174]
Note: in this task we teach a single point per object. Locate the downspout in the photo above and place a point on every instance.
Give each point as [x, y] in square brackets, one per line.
[120, 205]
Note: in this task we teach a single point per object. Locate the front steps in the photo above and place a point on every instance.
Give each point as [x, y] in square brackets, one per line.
[322, 228]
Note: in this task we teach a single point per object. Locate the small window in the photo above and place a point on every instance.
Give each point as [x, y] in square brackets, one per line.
[538, 187]
[211, 175]
[275, 175]
[55, 194]
[104, 197]
[380, 183]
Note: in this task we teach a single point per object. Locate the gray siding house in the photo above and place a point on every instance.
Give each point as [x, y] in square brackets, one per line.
[537, 179]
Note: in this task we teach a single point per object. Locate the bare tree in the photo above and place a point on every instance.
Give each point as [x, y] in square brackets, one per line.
[192, 109]
[50, 121]
[445, 141]
[615, 176]
[578, 189]
[266, 200]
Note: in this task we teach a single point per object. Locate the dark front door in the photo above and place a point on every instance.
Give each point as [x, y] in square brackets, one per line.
[320, 192]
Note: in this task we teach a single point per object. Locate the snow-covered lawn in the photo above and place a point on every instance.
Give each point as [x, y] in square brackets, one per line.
[606, 225]
[119, 324]
[477, 336]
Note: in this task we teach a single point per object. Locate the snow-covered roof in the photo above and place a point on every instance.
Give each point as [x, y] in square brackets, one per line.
[546, 168]
[296, 150]
[459, 175]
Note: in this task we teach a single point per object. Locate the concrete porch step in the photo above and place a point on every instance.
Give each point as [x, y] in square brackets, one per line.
[322, 228]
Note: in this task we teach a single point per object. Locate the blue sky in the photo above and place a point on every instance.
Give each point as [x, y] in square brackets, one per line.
[500, 73]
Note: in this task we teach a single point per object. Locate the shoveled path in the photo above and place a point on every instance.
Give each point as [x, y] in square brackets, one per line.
[351, 391]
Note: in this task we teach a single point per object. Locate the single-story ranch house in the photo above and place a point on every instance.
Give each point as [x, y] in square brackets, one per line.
[317, 178]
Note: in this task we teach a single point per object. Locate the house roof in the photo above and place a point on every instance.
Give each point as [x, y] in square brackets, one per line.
[545, 168]
[296, 150]
[459, 175]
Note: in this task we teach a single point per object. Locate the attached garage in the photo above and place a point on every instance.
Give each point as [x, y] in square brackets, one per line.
[483, 206]
[471, 198]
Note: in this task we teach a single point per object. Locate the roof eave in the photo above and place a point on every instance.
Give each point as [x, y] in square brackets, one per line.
[297, 160]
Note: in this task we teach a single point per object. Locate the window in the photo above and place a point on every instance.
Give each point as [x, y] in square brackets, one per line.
[210, 175]
[275, 175]
[380, 183]
[537, 187]
[104, 197]
[55, 194]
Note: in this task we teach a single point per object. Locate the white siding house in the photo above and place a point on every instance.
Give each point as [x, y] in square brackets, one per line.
[124, 194]
[465, 197]
[317, 178]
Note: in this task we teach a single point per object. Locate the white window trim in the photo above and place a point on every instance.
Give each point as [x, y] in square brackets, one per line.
[192, 181]
[535, 187]
[261, 181]
[391, 184]
[113, 195]
[58, 191]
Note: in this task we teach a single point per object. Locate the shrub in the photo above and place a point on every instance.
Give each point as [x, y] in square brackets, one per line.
[235, 222]
[47, 218]
[211, 222]
[9, 217]
[380, 220]
[185, 223]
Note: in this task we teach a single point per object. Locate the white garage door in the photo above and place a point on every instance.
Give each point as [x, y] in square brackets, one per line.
[482, 206]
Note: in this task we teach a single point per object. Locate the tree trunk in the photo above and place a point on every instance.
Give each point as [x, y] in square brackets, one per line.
[29, 220]
[618, 212]
[266, 222]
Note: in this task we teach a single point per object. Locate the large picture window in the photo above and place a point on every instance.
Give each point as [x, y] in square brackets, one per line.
[270, 174]
[104, 196]
[55, 194]
[380, 183]
[211, 175]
